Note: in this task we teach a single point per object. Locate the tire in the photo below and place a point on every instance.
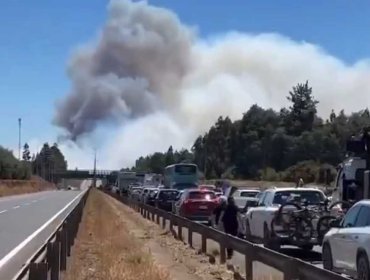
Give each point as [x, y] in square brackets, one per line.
[363, 271]
[307, 247]
[327, 258]
[268, 242]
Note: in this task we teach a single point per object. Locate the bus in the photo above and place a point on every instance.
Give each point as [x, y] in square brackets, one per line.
[124, 179]
[181, 176]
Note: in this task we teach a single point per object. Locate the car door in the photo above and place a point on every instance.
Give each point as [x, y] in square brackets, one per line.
[341, 241]
[256, 216]
[178, 203]
[355, 236]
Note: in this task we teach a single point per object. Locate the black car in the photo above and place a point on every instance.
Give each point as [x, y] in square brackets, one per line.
[165, 199]
[151, 196]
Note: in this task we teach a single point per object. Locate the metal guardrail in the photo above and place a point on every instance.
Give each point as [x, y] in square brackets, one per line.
[292, 268]
[51, 257]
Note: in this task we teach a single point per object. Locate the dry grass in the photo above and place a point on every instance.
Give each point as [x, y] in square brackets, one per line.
[106, 250]
[13, 187]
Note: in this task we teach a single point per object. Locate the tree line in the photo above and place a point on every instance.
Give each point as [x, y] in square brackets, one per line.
[270, 145]
[44, 163]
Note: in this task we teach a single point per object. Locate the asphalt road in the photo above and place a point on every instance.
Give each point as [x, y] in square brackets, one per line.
[22, 216]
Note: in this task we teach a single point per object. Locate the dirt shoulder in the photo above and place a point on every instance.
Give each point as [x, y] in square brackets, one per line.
[14, 187]
[114, 242]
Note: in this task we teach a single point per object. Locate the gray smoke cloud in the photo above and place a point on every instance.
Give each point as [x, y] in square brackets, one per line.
[135, 68]
[161, 85]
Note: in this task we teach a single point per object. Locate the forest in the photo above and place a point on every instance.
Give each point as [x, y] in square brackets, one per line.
[270, 145]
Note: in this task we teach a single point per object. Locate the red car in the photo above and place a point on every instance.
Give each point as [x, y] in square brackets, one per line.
[196, 204]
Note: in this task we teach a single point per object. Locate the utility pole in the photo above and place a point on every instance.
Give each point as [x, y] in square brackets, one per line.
[19, 138]
[94, 180]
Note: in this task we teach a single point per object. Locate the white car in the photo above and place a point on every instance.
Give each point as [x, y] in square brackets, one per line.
[242, 196]
[346, 246]
[257, 221]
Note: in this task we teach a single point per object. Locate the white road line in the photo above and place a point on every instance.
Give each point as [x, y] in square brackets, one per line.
[15, 207]
[16, 250]
[3, 211]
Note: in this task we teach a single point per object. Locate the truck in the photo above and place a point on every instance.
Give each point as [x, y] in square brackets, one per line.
[352, 183]
[124, 179]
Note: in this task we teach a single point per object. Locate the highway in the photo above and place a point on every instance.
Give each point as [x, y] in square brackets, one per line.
[26, 222]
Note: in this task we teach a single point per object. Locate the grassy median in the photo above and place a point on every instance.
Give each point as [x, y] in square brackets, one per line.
[104, 249]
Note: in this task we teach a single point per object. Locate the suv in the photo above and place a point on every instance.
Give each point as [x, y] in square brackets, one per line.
[197, 205]
[165, 198]
[258, 220]
[346, 246]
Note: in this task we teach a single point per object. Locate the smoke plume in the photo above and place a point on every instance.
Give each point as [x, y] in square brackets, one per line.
[160, 84]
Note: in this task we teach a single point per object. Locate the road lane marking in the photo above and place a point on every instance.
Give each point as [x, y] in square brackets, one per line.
[16, 207]
[3, 211]
[24, 243]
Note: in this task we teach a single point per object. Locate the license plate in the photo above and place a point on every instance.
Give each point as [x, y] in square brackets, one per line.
[203, 207]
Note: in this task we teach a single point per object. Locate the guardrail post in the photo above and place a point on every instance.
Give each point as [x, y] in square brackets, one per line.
[38, 271]
[190, 237]
[54, 260]
[248, 267]
[204, 243]
[157, 218]
[179, 232]
[223, 253]
[163, 222]
[153, 216]
[291, 271]
[62, 237]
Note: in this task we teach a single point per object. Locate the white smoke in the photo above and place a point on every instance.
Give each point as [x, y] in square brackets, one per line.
[164, 85]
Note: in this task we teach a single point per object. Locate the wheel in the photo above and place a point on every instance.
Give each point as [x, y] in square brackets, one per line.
[323, 226]
[307, 247]
[363, 271]
[327, 258]
[268, 241]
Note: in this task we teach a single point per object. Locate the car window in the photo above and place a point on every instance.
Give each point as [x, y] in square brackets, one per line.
[350, 218]
[202, 195]
[310, 197]
[363, 218]
[262, 199]
[269, 198]
[248, 194]
[168, 195]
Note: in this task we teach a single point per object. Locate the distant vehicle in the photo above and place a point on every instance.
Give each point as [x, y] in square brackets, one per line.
[140, 177]
[151, 196]
[124, 179]
[242, 196]
[197, 205]
[135, 193]
[145, 192]
[153, 179]
[165, 198]
[346, 246]
[181, 176]
[207, 187]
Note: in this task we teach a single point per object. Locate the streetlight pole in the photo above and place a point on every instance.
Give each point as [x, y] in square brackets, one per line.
[19, 137]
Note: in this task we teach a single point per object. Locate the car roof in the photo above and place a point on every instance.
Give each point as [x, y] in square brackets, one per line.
[294, 189]
[363, 202]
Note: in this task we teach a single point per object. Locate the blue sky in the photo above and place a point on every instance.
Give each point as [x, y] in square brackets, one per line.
[37, 38]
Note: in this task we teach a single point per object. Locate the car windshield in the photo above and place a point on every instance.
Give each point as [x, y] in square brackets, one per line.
[168, 195]
[248, 194]
[309, 197]
[202, 195]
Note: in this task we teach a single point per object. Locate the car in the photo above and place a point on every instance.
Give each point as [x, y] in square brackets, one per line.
[165, 198]
[346, 246]
[241, 196]
[197, 205]
[258, 221]
[145, 192]
[134, 193]
[150, 197]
